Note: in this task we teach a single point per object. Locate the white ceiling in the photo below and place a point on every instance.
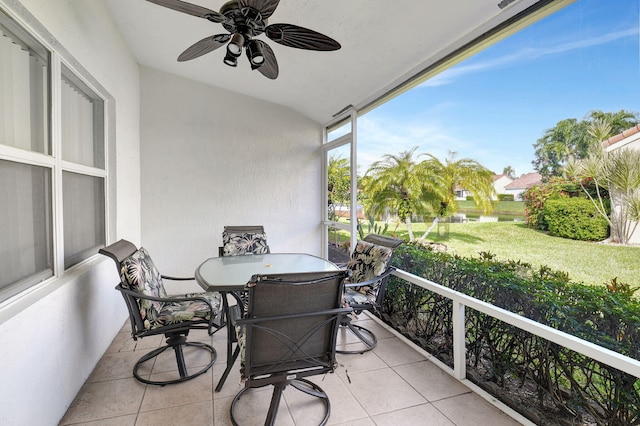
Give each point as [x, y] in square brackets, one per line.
[383, 43]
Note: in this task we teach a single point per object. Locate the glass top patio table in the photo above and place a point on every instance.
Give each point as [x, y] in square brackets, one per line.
[232, 273]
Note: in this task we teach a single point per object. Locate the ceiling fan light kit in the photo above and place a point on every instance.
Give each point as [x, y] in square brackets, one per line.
[244, 20]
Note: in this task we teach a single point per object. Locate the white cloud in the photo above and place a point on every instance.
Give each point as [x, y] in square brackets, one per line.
[379, 135]
[525, 55]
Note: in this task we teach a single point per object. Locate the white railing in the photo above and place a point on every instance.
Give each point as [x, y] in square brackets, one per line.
[460, 301]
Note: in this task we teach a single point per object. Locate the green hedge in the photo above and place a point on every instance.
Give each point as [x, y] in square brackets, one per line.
[505, 197]
[547, 383]
[576, 219]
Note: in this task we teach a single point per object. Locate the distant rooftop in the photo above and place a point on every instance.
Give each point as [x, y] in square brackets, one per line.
[525, 181]
[621, 136]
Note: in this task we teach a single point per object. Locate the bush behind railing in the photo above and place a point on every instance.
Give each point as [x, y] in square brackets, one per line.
[546, 382]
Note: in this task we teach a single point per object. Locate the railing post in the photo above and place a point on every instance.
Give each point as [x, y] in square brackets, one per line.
[459, 346]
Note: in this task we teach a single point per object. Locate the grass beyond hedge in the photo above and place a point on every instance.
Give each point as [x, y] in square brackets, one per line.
[591, 263]
[506, 211]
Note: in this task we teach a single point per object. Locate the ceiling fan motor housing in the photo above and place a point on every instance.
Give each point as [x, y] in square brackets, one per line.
[244, 20]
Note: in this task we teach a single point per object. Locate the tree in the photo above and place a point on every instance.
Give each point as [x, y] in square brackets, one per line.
[407, 188]
[571, 138]
[338, 184]
[509, 172]
[397, 184]
[566, 139]
[619, 172]
[465, 173]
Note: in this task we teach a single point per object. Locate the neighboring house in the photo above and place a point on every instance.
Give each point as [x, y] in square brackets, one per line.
[343, 211]
[461, 193]
[518, 186]
[629, 139]
[499, 184]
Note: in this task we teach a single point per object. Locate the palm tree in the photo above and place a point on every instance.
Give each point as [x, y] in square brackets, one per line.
[465, 173]
[399, 185]
[510, 172]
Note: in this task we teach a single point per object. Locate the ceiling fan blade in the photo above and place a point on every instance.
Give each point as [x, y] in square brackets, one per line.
[265, 7]
[301, 38]
[270, 66]
[191, 9]
[204, 46]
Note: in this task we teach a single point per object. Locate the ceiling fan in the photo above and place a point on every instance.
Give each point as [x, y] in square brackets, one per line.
[244, 20]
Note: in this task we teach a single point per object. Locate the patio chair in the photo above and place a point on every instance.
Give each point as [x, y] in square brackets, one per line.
[152, 311]
[239, 240]
[365, 290]
[383, 240]
[288, 334]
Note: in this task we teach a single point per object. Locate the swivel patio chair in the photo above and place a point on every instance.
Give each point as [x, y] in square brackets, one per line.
[365, 290]
[288, 334]
[243, 240]
[239, 240]
[152, 311]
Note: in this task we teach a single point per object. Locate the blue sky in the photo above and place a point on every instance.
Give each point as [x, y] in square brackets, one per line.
[494, 106]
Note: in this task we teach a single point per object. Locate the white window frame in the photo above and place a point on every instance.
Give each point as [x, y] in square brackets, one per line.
[350, 138]
[54, 162]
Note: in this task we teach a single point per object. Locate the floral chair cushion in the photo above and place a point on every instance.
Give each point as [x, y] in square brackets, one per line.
[363, 297]
[368, 261]
[188, 310]
[139, 274]
[235, 244]
[242, 345]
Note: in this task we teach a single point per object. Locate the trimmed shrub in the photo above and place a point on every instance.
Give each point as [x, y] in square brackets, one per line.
[576, 219]
[469, 197]
[536, 197]
[548, 383]
[505, 197]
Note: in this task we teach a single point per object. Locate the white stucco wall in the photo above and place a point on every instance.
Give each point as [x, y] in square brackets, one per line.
[52, 338]
[631, 142]
[500, 183]
[211, 158]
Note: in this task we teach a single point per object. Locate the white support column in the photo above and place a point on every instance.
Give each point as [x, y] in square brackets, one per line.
[459, 346]
[354, 179]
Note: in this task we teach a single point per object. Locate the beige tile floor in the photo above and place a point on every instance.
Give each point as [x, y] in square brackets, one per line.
[391, 385]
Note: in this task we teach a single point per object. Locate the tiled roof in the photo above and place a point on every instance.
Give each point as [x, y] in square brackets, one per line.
[496, 177]
[525, 181]
[621, 136]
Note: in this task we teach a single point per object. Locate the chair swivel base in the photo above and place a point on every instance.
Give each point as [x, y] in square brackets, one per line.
[177, 343]
[366, 337]
[302, 385]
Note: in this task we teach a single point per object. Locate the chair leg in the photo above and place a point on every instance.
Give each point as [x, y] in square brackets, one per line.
[278, 388]
[367, 337]
[176, 342]
[302, 385]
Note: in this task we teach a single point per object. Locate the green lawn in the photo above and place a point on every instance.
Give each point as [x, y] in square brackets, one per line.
[505, 210]
[591, 263]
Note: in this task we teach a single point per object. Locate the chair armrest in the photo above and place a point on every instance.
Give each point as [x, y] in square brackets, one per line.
[167, 277]
[340, 312]
[373, 281]
[163, 299]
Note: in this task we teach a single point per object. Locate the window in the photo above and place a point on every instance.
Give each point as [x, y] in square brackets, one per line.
[41, 169]
[82, 143]
[24, 90]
